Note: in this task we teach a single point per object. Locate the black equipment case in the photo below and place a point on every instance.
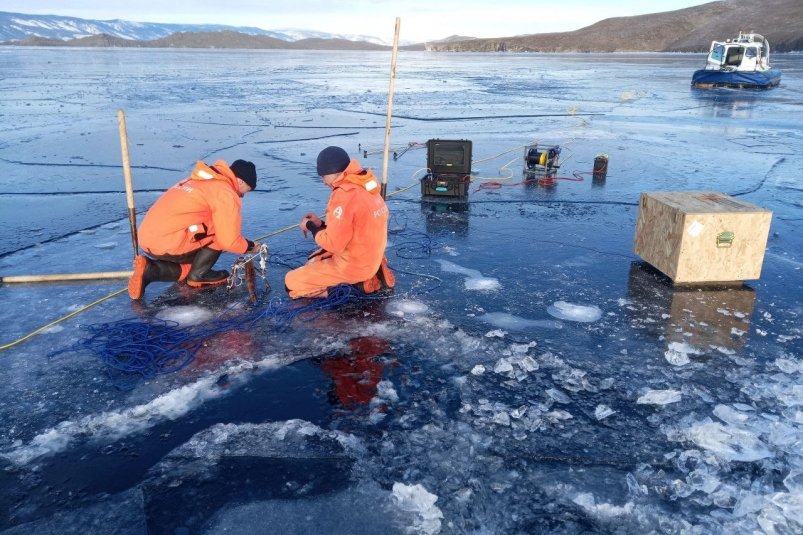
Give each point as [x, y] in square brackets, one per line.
[448, 168]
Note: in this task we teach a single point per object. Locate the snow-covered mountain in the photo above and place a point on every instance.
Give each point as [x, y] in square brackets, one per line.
[294, 34]
[19, 26]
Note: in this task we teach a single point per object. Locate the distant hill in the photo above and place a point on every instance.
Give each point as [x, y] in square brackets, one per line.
[16, 27]
[684, 30]
[221, 39]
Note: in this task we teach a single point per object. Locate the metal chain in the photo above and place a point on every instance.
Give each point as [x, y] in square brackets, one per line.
[237, 276]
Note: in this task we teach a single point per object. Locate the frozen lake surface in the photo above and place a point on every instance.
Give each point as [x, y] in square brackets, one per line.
[530, 374]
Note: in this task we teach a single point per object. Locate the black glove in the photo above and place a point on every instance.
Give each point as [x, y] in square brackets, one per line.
[312, 228]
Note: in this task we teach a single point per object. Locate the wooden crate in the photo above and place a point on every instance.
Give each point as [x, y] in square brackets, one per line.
[701, 236]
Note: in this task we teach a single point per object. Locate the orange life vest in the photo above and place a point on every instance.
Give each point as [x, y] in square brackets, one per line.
[203, 210]
[356, 232]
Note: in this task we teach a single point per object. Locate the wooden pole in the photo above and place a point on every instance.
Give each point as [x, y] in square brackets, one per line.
[129, 189]
[67, 277]
[390, 108]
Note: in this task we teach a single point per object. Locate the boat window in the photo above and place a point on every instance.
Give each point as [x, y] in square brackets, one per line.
[717, 53]
[734, 56]
[751, 52]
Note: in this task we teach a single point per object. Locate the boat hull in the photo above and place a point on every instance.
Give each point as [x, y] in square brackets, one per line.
[705, 78]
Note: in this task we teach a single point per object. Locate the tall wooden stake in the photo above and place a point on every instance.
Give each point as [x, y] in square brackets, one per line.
[390, 108]
[129, 189]
[67, 277]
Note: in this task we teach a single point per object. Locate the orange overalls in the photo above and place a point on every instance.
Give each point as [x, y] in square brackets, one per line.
[353, 240]
[203, 210]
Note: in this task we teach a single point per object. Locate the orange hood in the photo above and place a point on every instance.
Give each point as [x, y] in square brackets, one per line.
[219, 170]
[355, 174]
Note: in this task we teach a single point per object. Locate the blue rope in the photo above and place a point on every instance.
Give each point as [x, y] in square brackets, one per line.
[135, 349]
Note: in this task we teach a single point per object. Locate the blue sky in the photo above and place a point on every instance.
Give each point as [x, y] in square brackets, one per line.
[420, 19]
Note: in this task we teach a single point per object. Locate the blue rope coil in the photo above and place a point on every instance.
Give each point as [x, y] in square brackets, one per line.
[135, 349]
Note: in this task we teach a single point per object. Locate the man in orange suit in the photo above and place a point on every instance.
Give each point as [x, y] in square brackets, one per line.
[353, 237]
[188, 227]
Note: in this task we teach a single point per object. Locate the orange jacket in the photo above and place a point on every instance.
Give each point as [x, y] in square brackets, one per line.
[201, 210]
[356, 230]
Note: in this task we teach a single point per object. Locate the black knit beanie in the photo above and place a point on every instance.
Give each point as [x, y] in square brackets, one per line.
[332, 160]
[245, 171]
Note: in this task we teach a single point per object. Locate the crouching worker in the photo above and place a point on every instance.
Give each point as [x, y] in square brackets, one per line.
[353, 236]
[188, 227]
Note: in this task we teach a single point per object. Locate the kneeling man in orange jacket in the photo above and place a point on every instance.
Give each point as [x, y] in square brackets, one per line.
[353, 237]
[188, 227]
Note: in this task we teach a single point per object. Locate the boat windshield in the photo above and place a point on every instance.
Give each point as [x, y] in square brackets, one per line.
[717, 54]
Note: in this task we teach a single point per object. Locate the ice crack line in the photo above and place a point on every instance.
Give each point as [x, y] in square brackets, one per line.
[99, 165]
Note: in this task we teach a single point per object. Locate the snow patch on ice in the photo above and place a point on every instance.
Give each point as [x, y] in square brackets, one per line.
[482, 284]
[474, 279]
[451, 267]
[587, 501]
[185, 315]
[571, 312]
[504, 320]
[406, 307]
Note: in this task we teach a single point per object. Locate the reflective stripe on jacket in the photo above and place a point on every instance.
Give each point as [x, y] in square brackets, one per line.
[201, 210]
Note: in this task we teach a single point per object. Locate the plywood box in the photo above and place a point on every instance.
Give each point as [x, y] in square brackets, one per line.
[701, 236]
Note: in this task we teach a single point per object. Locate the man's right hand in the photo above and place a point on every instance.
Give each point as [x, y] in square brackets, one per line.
[309, 217]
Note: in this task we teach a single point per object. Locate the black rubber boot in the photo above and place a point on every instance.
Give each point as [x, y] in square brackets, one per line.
[162, 271]
[147, 270]
[201, 272]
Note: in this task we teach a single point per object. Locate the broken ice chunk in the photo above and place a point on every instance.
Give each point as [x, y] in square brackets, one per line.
[603, 411]
[678, 353]
[727, 442]
[558, 396]
[503, 366]
[479, 369]
[659, 397]
[416, 499]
